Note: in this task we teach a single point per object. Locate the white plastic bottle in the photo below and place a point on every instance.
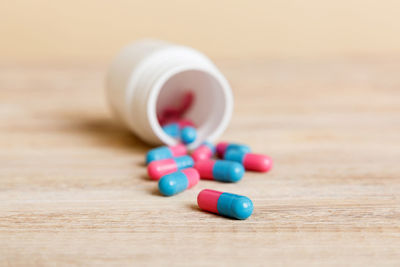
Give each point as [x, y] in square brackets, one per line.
[149, 75]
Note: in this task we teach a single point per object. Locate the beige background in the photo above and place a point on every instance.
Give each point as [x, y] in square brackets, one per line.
[316, 87]
[93, 30]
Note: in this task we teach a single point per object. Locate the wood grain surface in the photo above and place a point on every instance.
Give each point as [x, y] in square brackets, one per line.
[74, 190]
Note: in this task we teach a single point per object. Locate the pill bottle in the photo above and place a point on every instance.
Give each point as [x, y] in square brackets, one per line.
[149, 75]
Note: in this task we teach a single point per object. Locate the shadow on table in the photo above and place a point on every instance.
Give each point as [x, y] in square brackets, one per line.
[195, 207]
[106, 132]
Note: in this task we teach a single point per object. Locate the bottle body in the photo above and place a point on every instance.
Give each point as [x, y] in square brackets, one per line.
[148, 76]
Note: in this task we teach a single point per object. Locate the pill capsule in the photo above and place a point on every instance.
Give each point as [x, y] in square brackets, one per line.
[172, 129]
[157, 169]
[179, 181]
[205, 151]
[250, 161]
[220, 170]
[188, 134]
[223, 147]
[165, 152]
[186, 102]
[225, 204]
[185, 122]
[168, 116]
[172, 112]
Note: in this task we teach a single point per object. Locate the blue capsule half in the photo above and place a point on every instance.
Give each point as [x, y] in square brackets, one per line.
[158, 153]
[227, 171]
[173, 183]
[235, 155]
[177, 182]
[188, 134]
[165, 152]
[236, 206]
[223, 147]
[172, 129]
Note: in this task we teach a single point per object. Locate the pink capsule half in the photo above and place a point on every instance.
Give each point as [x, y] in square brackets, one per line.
[203, 152]
[250, 161]
[207, 200]
[165, 152]
[157, 169]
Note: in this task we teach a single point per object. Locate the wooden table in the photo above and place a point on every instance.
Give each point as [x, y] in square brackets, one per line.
[74, 189]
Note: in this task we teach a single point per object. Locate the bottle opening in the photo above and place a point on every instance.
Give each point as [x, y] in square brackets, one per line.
[204, 97]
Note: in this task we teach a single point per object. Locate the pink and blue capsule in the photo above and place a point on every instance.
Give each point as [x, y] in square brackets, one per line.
[225, 204]
[250, 161]
[220, 170]
[223, 147]
[159, 168]
[188, 134]
[165, 152]
[205, 151]
[176, 182]
[172, 129]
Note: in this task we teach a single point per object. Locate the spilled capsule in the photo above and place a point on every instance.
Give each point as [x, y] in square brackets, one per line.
[225, 204]
[188, 134]
[172, 129]
[223, 147]
[205, 151]
[250, 161]
[165, 152]
[157, 169]
[181, 129]
[179, 181]
[220, 170]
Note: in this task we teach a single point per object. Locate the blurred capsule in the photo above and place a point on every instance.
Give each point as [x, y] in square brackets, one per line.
[223, 147]
[159, 168]
[250, 161]
[179, 181]
[188, 134]
[172, 129]
[165, 152]
[204, 151]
